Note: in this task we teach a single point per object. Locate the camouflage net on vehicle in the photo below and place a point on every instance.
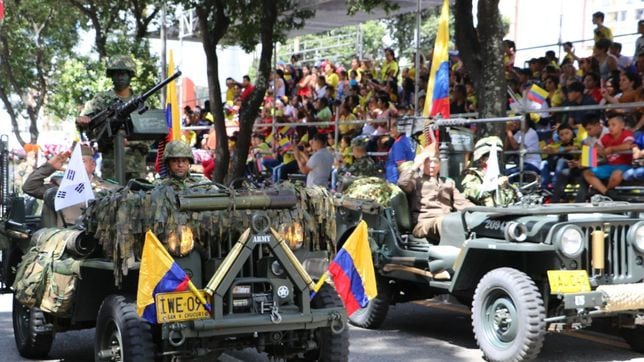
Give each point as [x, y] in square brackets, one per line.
[119, 220]
[373, 189]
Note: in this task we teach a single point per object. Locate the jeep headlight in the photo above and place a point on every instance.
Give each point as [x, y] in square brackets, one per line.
[182, 242]
[293, 233]
[570, 241]
[636, 236]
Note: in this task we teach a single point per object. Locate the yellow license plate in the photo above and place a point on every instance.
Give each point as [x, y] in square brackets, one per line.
[180, 306]
[568, 281]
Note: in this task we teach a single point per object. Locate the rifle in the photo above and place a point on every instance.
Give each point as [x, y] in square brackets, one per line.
[107, 122]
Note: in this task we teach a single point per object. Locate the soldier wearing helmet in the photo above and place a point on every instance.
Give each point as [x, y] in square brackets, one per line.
[362, 165]
[474, 187]
[178, 157]
[121, 69]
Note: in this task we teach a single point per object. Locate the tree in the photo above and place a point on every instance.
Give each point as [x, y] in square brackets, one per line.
[35, 39]
[481, 50]
[104, 16]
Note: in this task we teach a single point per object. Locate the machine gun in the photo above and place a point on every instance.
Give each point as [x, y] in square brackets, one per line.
[106, 123]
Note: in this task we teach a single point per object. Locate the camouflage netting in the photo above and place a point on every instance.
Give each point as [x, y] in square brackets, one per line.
[373, 189]
[119, 220]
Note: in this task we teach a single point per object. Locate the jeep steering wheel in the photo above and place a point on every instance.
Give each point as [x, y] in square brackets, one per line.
[525, 188]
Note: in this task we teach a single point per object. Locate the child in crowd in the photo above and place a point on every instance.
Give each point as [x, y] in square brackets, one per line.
[559, 155]
[611, 146]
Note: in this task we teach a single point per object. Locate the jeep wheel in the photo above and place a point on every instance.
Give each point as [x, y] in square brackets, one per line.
[372, 316]
[33, 336]
[331, 346]
[120, 334]
[634, 337]
[508, 316]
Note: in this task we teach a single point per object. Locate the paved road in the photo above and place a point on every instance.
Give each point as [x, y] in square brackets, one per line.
[412, 332]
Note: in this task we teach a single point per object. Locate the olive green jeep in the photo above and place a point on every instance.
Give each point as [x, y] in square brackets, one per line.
[253, 254]
[523, 270]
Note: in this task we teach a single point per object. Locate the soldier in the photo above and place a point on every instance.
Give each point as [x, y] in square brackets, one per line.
[362, 165]
[431, 196]
[35, 184]
[178, 157]
[121, 69]
[473, 181]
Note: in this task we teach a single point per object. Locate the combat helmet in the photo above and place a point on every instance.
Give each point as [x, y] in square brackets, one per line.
[178, 149]
[360, 142]
[484, 145]
[121, 62]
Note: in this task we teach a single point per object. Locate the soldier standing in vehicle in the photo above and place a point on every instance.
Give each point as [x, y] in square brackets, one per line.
[35, 184]
[121, 69]
[473, 181]
[178, 157]
[431, 196]
[363, 165]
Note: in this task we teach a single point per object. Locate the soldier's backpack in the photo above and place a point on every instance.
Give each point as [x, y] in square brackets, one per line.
[46, 277]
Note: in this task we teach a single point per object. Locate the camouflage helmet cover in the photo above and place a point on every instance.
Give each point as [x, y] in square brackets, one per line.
[484, 145]
[360, 142]
[121, 62]
[178, 149]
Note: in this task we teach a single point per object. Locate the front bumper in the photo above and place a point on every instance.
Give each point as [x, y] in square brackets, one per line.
[608, 298]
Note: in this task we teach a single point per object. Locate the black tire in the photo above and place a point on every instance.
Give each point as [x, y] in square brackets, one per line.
[508, 316]
[32, 334]
[10, 259]
[332, 347]
[372, 316]
[120, 334]
[634, 337]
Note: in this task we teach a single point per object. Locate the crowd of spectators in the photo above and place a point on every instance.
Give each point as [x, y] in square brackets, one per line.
[294, 131]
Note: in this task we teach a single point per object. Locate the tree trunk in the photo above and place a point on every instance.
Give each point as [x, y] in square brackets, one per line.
[250, 107]
[481, 50]
[210, 38]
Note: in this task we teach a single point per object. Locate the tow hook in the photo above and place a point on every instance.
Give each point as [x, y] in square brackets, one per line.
[276, 317]
[337, 324]
[176, 337]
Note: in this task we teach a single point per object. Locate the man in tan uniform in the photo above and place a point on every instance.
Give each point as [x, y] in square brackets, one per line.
[431, 196]
[35, 184]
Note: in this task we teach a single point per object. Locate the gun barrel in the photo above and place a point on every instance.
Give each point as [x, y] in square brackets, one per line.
[241, 202]
[160, 85]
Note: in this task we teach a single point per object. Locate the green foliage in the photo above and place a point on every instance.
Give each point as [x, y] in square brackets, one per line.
[35, 39]
[429, 30]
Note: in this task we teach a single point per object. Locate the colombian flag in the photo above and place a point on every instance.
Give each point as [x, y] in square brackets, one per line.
[171, 119]
[588, 156]
[437, 98]
[352, 271]
[159, 274]
[537, 94]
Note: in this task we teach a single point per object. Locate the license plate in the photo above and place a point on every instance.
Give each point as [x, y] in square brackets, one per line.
[568, 281]
[180, 306]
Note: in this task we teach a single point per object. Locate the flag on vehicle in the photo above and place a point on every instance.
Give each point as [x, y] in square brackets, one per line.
[171, 119]
[159, 273]
[437, 97]
[75, 187]
[537, 94]
[352, 271]
[588, 156]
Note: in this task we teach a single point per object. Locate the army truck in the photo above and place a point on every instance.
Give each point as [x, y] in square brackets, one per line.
[259, 280]
[252, 254]
[524, 270]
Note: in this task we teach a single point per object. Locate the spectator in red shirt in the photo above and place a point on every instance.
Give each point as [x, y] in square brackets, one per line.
[610, 146]
[591, 83]
[247, 87]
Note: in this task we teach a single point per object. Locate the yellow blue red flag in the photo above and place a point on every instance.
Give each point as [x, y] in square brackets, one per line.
[172, 103]
[352, 270]
[159, 273]
[437, 98]
[588, 156]
[537, 94]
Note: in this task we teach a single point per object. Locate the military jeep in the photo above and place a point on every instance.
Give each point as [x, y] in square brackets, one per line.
[252, 253]
[523, 270]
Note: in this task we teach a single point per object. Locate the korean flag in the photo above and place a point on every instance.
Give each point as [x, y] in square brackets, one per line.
[75, 187]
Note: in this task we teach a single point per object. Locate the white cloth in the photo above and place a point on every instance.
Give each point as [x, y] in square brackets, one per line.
[491, 178]
[75, 187]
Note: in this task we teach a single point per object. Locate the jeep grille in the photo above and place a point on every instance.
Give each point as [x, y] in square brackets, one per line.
[619, 258]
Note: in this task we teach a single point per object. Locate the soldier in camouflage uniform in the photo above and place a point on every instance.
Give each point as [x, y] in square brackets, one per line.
[473, 177]
[121, 69]
[178, 157]
[362, 165]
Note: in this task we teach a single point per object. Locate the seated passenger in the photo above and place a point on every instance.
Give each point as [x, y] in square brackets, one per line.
[473, 180]
[612, 147]
[35, 184]
[363, 165]
[637, 172]
[431, 196]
